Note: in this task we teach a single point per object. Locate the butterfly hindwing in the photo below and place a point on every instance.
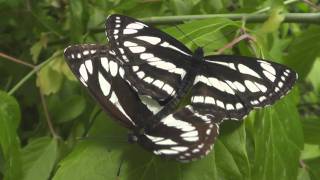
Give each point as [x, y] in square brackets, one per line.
[234, 85]
[184, 135]
[157, 61]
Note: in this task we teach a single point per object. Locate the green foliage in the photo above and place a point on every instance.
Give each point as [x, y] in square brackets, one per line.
[278, 142]
[9, 141]
[39, 157]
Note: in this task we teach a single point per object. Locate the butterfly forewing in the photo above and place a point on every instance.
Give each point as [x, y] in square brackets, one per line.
[158, 61]
[101, 73]
[233, 85]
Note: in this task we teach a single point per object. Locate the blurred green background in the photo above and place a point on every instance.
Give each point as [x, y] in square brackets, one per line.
[44, 112]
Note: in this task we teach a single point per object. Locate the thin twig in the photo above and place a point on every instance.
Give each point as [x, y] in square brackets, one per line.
[269, 7]
[302, 164]
[47, 116]
[308, 18]
[235, 41]
[311, 4]
[3, 55]
[27, 77]
[289, 17]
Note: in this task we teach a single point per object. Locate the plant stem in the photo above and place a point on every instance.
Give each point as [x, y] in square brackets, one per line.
[235, 41]
[27, 77]
[46, 113]
[3, 55]
[268, 8]
[311, 18]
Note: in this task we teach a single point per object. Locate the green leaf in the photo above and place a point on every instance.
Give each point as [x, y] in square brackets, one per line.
[273, 22]
[39, 157]
[310, 151]
[50, 78]
[79, 17]
[97, 156]
[303, 174]
[304, 50]
[69, 108]
[278, 141]
[204, 32]
[9, 140]
[35, 51]
[313, 166]
[67, 72]
[181, 6]
[313, 76]
[101, 158]
[311, 129]
[36, 48]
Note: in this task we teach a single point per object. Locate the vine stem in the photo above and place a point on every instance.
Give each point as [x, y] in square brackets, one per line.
[3, 55]
[268, 8]
[27, 77]
[235, 41]
[311, 18]
[47, 116]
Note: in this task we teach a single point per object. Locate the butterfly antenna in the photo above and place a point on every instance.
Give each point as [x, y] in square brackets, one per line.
[190, 39]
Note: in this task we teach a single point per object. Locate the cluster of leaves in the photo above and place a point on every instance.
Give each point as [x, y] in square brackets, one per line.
[279, 142]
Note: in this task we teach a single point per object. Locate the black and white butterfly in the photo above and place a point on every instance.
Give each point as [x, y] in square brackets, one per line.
[183, 135]
[161, 67]
[144, 62]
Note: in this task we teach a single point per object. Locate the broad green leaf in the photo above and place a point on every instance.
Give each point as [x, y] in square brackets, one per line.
[2, 164]
[215, 4]
[311, 129]
[67, 72]
[50, 78]
[36, 48]
[69, 108]
[181, 6]
[78, 18]
[204, 32]
[99, 156]
[278, 141]
[310, 151]
[313, 76]
[273, 22]
[313, 166]
[278, 47]
[304, 50]
[35, 51]
[126, 5]
[303, 174]
[9, 140]
[39, 157]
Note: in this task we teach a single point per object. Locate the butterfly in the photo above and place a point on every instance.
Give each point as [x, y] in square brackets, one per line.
[183, 135]
[163, 68]
[155, 71]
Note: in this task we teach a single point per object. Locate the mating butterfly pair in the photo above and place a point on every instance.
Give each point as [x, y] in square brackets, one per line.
[141, 75]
